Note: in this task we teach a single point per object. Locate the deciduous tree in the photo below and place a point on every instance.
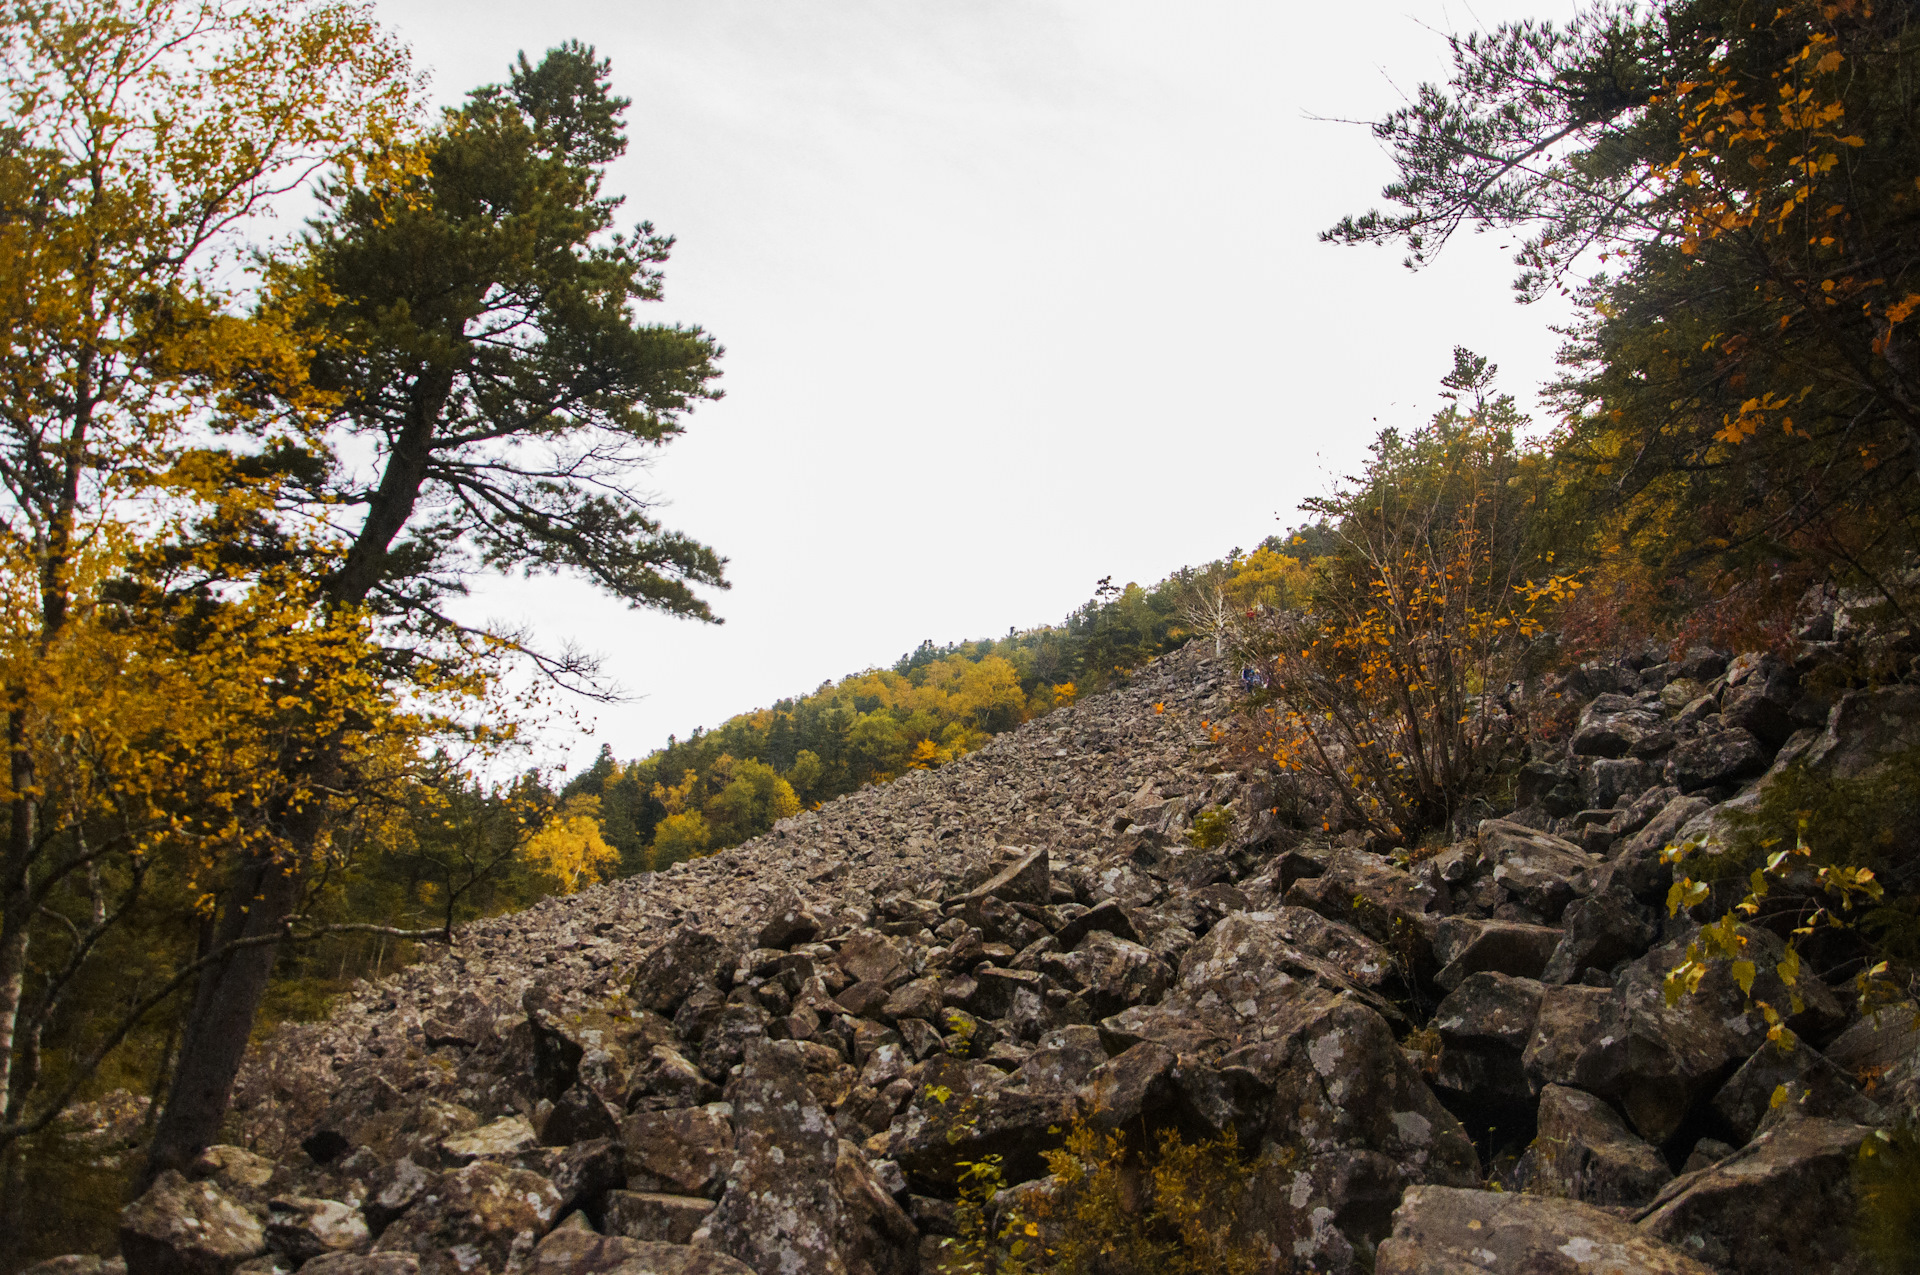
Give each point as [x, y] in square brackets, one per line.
[140, 140]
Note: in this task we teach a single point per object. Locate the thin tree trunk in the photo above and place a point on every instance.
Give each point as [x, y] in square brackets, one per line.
[16, 914]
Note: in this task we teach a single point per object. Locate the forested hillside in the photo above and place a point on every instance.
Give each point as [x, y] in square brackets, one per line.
[720, 787]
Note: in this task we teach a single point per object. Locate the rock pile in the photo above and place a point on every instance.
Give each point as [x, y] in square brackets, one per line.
[776, 1059]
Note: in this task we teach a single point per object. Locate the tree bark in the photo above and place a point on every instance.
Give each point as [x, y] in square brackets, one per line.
[264, 894]
[16, 904]
[266, 888]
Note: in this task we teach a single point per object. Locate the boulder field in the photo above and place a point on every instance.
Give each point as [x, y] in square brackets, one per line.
[776, 1060]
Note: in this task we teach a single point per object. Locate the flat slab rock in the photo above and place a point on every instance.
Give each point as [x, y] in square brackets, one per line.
[1441, 1230]
[1781, 1205]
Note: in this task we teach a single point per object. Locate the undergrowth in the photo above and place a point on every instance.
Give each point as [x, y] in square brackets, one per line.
[1108, 1208]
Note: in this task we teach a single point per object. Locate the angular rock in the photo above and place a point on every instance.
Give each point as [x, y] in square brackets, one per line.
[577, 1048]
[1810, 1085]
[1107, 915]
[1600, 931]
[871, 957]
[574, 1248]
[1112, 973]
[1782, 1205]
[1440, 1230]
[957, 1115]
[792, 922]
[1028, 879]
[1636, 866]
[876, 1236]
[1610, 782]
[1364, 891]
[363, 1264]
[1484, 1024]
[1881, 1053]
[1761, 707]
[417, 1129]
[685, 1152]
[484, 1213]
[779, 1211]
[1584, 1151]
[580, 1116]
[1864, 729]
[1656, 1061]
[1350, 1126]
[1490, 1009]
[1363, 961]
[248, 1178]
[689, 958]
[666, 1080]
[1544, 872]
[1005, 993]
[864, 1000]
[726, 1041]
[1641, 812]
[187, 1228]
[1234, 984]
[582, 1173]
[1064, 1059]
[1570, 1019]
[1614, 726]
[919, 999]
[391, 1190]
[1502, 947]
[299, 1228]
[1722, 757]
[651, 1215]
[1122, 1089]
[503, 1138]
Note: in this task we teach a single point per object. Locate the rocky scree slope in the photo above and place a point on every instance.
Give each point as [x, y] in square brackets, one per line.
[774, 1060]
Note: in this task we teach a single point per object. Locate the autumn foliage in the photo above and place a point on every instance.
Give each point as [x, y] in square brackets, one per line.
[1391, 685]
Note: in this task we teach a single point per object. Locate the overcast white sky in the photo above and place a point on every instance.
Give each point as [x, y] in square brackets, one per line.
[1015, 295]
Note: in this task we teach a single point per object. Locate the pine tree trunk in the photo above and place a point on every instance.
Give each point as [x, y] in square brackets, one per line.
[265, 892]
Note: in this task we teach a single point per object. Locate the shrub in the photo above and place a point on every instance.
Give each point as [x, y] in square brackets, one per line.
[1390, 687]
[1210, 828]
[1108, 1209]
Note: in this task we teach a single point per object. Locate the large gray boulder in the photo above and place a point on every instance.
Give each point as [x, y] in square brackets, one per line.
[684, 1152]
[1543, 872]
[1570, 1019]
[187, 1228]
[1782, 1205]
[1658, 1060]
[1805, 1083]
[1615, 726]
[1464, 947]
[1111, 973]
[484, 1213]
[1350, 1126]
[959, 1112]
[1584, 1151]
[1234, 985]
[1484, 1027]
[690, 958]
[1443, 1231]
[1882, 1053]
[779, 1211]
[300, 1228]
[1386, 904]
[575, 1248]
